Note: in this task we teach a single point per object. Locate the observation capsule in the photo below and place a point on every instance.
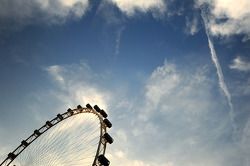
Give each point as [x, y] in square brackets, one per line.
[97, 108]
[103, 160]
[59, 116]
[24, 143]
[89, 106]
[37, 132]
[79, 107]
[103, 113]
[70, 111]
[11, 156]
[107, 123]
[108, 138]
[48, 123]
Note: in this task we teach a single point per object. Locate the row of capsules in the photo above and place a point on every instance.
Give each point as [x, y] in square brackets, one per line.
[101, 158]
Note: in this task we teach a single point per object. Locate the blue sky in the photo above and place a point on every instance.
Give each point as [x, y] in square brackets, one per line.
[173, 98]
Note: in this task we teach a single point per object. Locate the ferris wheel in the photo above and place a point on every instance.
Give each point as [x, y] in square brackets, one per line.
[77, 137]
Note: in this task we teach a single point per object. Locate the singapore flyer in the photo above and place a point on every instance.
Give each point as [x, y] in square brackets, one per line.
[76, 137]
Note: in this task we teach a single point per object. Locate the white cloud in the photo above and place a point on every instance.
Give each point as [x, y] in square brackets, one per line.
[228, 17]
[181, 121]
[55, 72]
[77, 88]
[47, 11]
[167, 81]
[156, 87]
[121, 158]
[245, 140]
[243, 87]
[240, 64]
[192, 25]
[130, 7]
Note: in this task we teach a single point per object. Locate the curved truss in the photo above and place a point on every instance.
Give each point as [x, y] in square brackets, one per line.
[99, 159]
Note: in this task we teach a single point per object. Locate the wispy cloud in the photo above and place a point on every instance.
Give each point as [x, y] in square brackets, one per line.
[77, 88]
[156, 86]
[245, 141]
[118, 40]
[180, 116]
[240, 64]
[192, 25]
[55, 71]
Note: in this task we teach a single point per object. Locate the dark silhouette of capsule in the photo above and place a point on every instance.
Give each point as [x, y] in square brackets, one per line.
[59, 116]
[97, 108]
[103, 160]
[70, 111]
[48, 123]
[11, 156]
[108, 138]
[79, 107]
[37, 132]
[107, 123]
[103, 113]
[89, 106]
[24, 143]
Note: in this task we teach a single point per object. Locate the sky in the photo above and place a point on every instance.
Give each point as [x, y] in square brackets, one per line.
[173, 75]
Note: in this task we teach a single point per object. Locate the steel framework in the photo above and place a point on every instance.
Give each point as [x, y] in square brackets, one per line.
[99, 160]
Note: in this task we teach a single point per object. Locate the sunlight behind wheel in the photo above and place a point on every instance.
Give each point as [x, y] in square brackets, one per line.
[71, 142]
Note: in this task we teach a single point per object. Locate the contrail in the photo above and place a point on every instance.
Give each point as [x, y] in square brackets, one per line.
[220, 75]
[118, 40]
